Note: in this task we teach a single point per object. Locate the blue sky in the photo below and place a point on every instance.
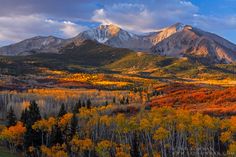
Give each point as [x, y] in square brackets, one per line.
[21, 19]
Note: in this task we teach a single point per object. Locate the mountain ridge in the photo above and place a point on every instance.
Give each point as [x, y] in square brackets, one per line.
[177, 40]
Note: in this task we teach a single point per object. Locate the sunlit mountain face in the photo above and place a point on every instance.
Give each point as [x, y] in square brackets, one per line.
[177, 40]
[117, 78]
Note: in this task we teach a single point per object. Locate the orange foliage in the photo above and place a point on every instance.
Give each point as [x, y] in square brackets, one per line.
[215, 100]
[14, 134]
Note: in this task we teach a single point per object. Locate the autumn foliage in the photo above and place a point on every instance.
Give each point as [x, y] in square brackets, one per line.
[211, 100]
[161, 131]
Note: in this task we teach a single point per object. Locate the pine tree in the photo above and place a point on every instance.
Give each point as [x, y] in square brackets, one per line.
[62, 111]
[83, 104]
[114, 100]
[106, 103]
[79, 104]
[56, 136]
[74, 123]
[11, 117]
[75, 108]
[24, 115]
[127, 100]
[32, 137]
[89, 104]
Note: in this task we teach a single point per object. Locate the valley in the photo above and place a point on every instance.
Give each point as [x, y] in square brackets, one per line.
[91, 99]
[98, 67]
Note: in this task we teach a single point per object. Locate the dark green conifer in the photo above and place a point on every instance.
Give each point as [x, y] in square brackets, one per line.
[62, 111]
[32, 137]
[11, 117]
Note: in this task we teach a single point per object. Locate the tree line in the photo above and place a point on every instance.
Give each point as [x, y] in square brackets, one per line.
[89, 131]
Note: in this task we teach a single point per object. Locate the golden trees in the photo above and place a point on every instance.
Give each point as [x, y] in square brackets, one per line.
[80, 146]
[45, 126]
[65, 120]
[122, 150]
[161, 134]
[228, 135]
[232, 149]
[103, 148]
[13, 135]
[147, 133]
[54, 151]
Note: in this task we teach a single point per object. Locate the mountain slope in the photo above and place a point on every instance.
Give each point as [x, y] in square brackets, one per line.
[92, 57]
[178, 40]
[114, 36]
[34, 45]
[88, 54]
[194, 42]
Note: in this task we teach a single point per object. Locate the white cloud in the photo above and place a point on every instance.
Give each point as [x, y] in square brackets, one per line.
[71, 29]
[140, 17]
[215, 22]
[129, 16]
[16, 28]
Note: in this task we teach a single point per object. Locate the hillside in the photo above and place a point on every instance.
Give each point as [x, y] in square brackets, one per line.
[191, 41]
[38, 44]
[91, 56]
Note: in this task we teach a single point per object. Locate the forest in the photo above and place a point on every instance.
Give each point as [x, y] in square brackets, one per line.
[153, 112]
[104, 131]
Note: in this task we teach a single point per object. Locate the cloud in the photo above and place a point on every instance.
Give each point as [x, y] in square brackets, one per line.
[215, 22]
[20, 19]
[71, 29]
[60, 9]
[140, 16]
[16, 28]
[146, 17]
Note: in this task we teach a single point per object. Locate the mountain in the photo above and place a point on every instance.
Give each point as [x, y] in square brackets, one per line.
[34, 45]
[92, 57]
[114, 36]
[164, 33]
[178, 40]
[193, 42]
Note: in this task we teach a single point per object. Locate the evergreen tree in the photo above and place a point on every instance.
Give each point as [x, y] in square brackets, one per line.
[89, 104]
[127, 100]
[62, 111]
[83, 104]
[32, 137]
[74, 123]
[11, 117]
[114, 100]
[24, 115]
[106, 103]
[75, 108]
[79, 104]
[56, 136]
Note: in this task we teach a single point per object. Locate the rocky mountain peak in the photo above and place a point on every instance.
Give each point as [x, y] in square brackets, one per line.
[109, 29]
[177, 40]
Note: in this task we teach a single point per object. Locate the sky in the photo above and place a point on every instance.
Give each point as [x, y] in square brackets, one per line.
[21, 19]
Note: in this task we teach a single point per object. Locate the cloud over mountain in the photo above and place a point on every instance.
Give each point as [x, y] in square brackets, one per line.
[16, 28]
[20, 19]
